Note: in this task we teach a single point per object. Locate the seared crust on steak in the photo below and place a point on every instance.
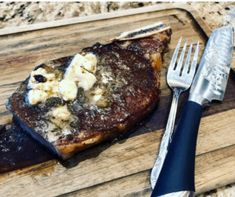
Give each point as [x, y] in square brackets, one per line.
[131, 93]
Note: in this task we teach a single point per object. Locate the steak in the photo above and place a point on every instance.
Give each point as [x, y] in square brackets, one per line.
[75, 102]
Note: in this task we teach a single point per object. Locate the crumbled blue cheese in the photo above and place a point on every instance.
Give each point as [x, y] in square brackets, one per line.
[59, 123]
[36, 96]
[39, 92]
[51, 135]
[68, 89]
[95, 96]
[82, 70]
[61, 113]
[80, 73]
[61, 117]
[49, 84]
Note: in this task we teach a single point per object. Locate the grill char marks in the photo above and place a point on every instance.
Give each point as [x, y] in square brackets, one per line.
[127, 73]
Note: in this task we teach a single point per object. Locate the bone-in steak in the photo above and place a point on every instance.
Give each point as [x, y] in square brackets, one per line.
[72, 103]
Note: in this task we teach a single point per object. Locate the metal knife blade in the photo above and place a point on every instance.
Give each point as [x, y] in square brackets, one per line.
[212, 75]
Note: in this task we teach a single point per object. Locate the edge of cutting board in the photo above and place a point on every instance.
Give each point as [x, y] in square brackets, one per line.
[76, 20]
[203, 26]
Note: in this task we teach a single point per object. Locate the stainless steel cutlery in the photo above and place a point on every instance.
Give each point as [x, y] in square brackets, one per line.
[179, 78]
[176, 177]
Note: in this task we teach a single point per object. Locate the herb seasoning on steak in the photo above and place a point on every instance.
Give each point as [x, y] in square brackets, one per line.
[73, 103]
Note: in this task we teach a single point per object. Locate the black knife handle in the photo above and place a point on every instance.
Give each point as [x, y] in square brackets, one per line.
[178, 169]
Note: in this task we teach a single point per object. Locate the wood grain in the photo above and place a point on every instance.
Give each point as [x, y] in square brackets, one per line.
[116, 168]
[138, 185]
[106, 163]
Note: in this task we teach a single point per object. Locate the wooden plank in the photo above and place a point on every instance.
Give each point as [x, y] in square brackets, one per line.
[104, 163]
[222, 162]
[20, 52]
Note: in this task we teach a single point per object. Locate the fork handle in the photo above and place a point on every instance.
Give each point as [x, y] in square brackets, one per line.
[177, 174]
[167, 136]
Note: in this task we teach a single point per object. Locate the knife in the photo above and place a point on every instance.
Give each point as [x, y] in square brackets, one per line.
[177, 174]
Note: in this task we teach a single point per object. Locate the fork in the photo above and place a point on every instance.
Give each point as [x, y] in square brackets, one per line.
[179, 79]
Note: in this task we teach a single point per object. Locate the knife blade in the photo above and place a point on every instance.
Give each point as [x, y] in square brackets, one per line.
[177, 174]
[211, 78]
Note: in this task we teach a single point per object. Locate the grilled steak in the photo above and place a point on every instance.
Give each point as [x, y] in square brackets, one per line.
[72, 103]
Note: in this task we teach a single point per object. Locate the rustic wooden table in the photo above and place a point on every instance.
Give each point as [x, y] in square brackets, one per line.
[123, 168]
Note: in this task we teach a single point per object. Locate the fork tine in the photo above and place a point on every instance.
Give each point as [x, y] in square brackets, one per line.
[187, 61]
[194, 61]
[175, 54]
[181, 59]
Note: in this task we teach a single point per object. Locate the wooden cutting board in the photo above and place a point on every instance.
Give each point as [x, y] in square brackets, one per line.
[120, 168]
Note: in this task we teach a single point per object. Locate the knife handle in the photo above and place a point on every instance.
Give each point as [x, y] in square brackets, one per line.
[178, 169]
